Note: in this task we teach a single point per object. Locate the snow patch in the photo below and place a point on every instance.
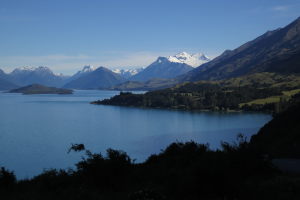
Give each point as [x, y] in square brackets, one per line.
[193, 60]
[127, 72]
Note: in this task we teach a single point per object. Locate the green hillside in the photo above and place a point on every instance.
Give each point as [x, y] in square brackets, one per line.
[243, 93]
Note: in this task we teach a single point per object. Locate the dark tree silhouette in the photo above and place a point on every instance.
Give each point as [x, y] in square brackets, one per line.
[76, 147]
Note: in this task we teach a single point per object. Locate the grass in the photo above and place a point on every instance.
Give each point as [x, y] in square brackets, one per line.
[291, 92]
[273, 99]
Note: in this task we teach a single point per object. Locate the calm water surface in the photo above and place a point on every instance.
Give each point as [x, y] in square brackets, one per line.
[37, 130]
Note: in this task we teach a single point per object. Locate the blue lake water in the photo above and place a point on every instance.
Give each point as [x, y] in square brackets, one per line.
[37, 130]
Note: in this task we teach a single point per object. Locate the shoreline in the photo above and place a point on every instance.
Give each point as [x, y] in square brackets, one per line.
[187, 110]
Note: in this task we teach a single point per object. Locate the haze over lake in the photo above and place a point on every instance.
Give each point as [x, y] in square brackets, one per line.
[37, 130]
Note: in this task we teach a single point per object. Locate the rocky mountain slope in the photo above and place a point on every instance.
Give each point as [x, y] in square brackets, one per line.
[275, 51]
[100, 78]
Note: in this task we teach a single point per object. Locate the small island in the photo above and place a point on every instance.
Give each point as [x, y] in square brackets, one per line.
[40, 89]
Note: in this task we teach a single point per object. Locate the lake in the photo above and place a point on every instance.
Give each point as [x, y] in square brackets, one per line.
[36, 131]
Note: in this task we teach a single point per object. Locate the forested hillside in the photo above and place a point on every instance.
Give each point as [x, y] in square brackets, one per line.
[233, 94]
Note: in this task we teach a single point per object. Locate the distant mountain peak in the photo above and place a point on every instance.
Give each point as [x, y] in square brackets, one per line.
[85, 70]
[127, 73]
[60, 75]
[26, 68]
[29, 69]
[101, 68]
[43, 69]
[132, 71]
[193, 60]
[162, 59]
[90, 78]
[41, 75]
[163, 67]
[88, 68]
[182, 55]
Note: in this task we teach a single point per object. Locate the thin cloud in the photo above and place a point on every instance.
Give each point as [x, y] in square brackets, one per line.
[136, 59]
[70, 64]
[278, 8]
[115, 60]
[281, 8]
[8, 63]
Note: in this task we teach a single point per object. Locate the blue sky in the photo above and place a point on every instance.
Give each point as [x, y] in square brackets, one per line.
[67, 34]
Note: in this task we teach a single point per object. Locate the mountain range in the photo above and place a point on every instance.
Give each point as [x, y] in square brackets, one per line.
[276, 51]
[99, 78]
[30, 75]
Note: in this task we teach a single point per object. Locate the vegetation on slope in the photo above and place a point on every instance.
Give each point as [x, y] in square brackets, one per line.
[152, 84]
[232, 94]
[181, 171]
[281, 136]
[286, 96]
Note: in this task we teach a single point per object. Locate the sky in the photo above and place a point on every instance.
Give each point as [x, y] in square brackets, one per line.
[67, 34]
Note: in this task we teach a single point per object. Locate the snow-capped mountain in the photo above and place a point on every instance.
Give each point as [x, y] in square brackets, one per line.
[29, 69]
[85, 70]
[99, 78]
[171, 66]
[194, 60]
[127, 73]
[41, 75]
[162, 68]
[61, 75]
